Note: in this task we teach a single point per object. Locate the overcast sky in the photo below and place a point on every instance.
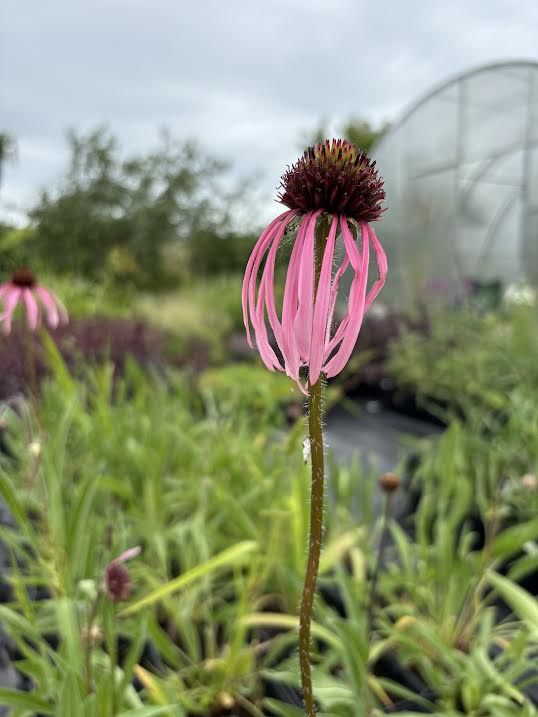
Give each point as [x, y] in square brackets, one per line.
[246, 78]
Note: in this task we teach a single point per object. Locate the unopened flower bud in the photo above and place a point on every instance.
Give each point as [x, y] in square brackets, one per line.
[389, 482]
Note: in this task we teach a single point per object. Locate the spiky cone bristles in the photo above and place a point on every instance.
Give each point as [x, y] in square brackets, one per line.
[303, 328]
[337, 177]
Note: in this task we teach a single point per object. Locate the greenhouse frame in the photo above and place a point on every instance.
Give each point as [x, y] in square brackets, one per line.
[461, 173]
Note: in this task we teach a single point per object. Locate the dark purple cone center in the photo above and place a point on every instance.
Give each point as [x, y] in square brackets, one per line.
[23, 278]
[336, 177]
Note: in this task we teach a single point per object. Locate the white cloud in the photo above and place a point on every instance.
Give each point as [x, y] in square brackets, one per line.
[245, 78]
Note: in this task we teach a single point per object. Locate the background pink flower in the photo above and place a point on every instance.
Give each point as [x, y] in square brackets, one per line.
[37, 300]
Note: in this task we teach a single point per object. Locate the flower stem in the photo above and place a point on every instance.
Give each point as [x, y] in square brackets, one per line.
[315, 429]
[88, 647]
[314, 543]
[113, 649]
[378, 563]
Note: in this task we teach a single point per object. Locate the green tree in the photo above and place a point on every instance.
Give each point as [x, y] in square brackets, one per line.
[8, 150]
[359, 131]
[363, 134]
[125, 215]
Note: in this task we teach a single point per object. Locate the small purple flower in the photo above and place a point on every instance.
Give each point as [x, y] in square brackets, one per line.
[117, 581]
[37, 299]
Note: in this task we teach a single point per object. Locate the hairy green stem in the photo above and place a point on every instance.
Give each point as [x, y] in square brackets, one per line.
[314, 543]
[315, 430]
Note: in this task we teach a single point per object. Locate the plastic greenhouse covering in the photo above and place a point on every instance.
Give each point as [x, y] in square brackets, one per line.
[461, 174]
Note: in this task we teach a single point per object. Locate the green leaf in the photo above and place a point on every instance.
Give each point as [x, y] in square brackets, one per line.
[512, 539]
[228, 557]
[57, 365]
[147, 711]
[496, 677]
[522, 603]
[289, 622]
[9, 496]
[70, 633]
[70, 698]
[282, 709]
[78, 531]
[24, 700]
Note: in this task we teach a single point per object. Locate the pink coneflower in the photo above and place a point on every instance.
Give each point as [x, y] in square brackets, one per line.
[333, 182]
[117, 581]
[37, 299]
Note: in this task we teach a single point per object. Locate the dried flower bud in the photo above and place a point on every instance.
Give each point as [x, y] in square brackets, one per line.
[389, 482]
[92, 635]
[117, 581]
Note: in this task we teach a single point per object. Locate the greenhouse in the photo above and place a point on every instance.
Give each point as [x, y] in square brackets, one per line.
[461, 171]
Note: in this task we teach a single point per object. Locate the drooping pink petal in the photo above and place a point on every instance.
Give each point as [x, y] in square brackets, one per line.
[11, 299]
[55, 311]
[128, 554]
[49, 305]
[289, 305]
[265, 349]
[305, 295]
[372, 294]
[268, 280]
[64, 316]
[321, 307]
[334, 293]
[256, 309]
[255, 260]
[382, 268]
[341, 357]
[333, 342]
[32, 309]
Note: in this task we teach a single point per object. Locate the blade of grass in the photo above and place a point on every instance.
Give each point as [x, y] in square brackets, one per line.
[228, 557]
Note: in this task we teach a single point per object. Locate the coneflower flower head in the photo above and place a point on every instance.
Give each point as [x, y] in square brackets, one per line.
[37, 299]
[336, 177]
[334, 182]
